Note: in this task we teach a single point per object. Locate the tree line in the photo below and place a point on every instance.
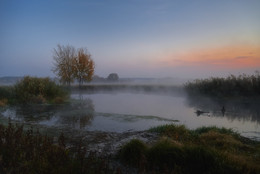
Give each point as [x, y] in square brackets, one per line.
[73, 64]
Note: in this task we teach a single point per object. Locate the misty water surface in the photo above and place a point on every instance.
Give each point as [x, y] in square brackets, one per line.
[120, 112]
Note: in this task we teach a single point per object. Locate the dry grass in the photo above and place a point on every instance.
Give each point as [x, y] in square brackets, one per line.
[204, 150]
[27, 151]
[3, 102]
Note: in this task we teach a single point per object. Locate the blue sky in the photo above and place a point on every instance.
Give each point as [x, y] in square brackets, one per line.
[134, 38]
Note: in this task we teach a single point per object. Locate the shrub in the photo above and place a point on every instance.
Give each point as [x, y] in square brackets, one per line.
[38, 90]
[7, 95]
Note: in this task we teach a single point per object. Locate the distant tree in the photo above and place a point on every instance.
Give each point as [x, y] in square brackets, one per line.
[96, 78]
[113, 77]
[83, 66]
[63, 65]
[70, 64]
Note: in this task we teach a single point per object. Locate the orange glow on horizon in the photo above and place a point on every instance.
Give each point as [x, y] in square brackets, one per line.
[239, 56]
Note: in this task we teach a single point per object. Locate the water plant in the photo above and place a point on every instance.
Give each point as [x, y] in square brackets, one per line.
[231, 86]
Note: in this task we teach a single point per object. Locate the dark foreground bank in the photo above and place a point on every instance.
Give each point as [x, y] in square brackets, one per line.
[175, 150]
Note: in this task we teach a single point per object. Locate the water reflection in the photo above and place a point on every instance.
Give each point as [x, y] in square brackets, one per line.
[247, 110]
[77, 114]
[127, 111]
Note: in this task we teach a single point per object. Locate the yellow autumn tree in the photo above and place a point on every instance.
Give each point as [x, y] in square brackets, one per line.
[70, 64]
[83, 66]
[63, 63]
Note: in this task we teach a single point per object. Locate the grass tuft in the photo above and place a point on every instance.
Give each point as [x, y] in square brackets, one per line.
[133, 153]
[215, 129]
[176, 132]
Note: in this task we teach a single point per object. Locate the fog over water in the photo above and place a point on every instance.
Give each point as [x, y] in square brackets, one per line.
[121, 111]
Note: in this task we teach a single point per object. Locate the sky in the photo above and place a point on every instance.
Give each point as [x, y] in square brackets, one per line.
[133, 38]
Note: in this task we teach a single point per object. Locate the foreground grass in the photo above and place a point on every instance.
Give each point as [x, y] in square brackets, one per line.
[27, 151]
[204, 150]
[178, 150]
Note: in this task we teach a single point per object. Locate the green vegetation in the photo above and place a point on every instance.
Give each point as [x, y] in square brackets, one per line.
[177, 132]
[133, 153]
[32, 90]
[7, 95]
[232, 86]
[30, 152]
[204, 150]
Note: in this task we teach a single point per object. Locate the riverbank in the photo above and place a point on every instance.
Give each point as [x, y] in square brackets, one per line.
[163, 149]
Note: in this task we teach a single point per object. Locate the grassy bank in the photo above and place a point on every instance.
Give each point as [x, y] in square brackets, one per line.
[204, 150]
[178, 150]
[32, 90]
[232, 86]
[28, 151]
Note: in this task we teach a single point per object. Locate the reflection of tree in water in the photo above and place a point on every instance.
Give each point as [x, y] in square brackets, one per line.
[35, 113]
[233, 109]
[78, 114]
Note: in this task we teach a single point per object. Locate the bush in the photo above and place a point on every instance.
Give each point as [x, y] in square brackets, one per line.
[7, 95]
[38, 90]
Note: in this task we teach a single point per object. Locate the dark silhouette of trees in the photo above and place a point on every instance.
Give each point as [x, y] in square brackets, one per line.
[113, 77]
[70, 64]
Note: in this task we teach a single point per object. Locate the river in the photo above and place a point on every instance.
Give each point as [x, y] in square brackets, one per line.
[136, 111]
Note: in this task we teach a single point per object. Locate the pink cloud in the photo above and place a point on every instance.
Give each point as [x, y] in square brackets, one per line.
[235, 56]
